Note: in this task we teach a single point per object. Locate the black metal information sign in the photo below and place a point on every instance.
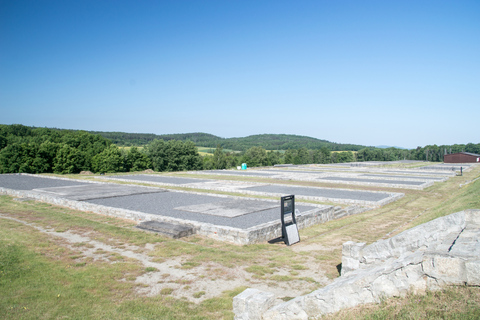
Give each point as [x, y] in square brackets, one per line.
[289, 225]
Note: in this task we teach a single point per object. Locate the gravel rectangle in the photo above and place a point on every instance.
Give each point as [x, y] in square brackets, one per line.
[322, 192]
[238, 173]
[401, 177]
[413, 183]
[164, 204]
[28, 182]
[159, 179]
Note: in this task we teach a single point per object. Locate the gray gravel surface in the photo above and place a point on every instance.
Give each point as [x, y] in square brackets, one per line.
[27, 182]
[401, 177]
[419, 172]
[322, 192]
[298, 171]
[447, 166]
[160, 179]
[238, 173]
[413, 183]
[165, 203]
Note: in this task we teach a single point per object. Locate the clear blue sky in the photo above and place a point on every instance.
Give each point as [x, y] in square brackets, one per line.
[401, 73]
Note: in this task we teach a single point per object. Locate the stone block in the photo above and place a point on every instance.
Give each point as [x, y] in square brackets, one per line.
[251, 304]
[473, 272]
[171, 230]
[351, 255]
[445, 269]
[473, 216]
[291, 310]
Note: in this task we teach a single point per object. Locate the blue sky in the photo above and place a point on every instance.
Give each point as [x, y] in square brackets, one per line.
[402, 73]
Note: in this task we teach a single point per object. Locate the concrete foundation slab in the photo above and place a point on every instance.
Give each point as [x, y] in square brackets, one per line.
[237, 173]
[96, 191]
[30, 182]
[367, 198]
[396, 177]
[157, 179]
[377, 181]
[230, 208]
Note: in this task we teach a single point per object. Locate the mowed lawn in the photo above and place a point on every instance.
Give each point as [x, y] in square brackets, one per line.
[47, 277]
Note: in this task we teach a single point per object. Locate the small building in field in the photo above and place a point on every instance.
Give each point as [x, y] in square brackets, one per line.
[461, 157]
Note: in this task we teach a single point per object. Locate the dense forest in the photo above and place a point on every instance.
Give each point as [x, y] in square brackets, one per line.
[44, 150]
[266, 141]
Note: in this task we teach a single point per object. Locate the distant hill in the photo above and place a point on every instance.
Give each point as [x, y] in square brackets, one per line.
[267, 141]
[140, 139]
[386, 147]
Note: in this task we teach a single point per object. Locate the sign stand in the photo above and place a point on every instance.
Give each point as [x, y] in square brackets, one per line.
[289, 229]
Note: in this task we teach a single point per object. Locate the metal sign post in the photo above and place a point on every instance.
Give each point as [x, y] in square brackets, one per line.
[289, 228]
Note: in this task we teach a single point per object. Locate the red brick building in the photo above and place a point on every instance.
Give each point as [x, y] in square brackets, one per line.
[461, 157]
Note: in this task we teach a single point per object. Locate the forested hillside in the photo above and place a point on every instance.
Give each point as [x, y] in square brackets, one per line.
[141, 139]
[266, 141]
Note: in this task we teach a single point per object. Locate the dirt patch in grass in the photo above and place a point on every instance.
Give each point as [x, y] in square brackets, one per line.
[186, 268]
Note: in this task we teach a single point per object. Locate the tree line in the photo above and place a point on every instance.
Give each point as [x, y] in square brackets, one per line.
[43, 150]
[258, 157]
[428, 153]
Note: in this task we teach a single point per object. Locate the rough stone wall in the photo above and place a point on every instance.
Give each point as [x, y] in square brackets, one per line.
[445, 251]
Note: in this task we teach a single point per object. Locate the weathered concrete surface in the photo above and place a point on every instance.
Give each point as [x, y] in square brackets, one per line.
[445, 251]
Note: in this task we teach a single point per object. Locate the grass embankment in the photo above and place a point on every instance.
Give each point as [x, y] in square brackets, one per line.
[45, 277]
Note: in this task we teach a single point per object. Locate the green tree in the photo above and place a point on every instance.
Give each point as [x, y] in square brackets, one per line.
[325, 155]
[302, 156]
[174, 155]
[68, 160]
[109, 160]
[207, 162]
[45, 157]
[346, 156]
[232, 160]
[156, 152]
[255, 157]
[18, 157]
[273, 158]
[290, 155]
[219, 158]
[136, 160]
